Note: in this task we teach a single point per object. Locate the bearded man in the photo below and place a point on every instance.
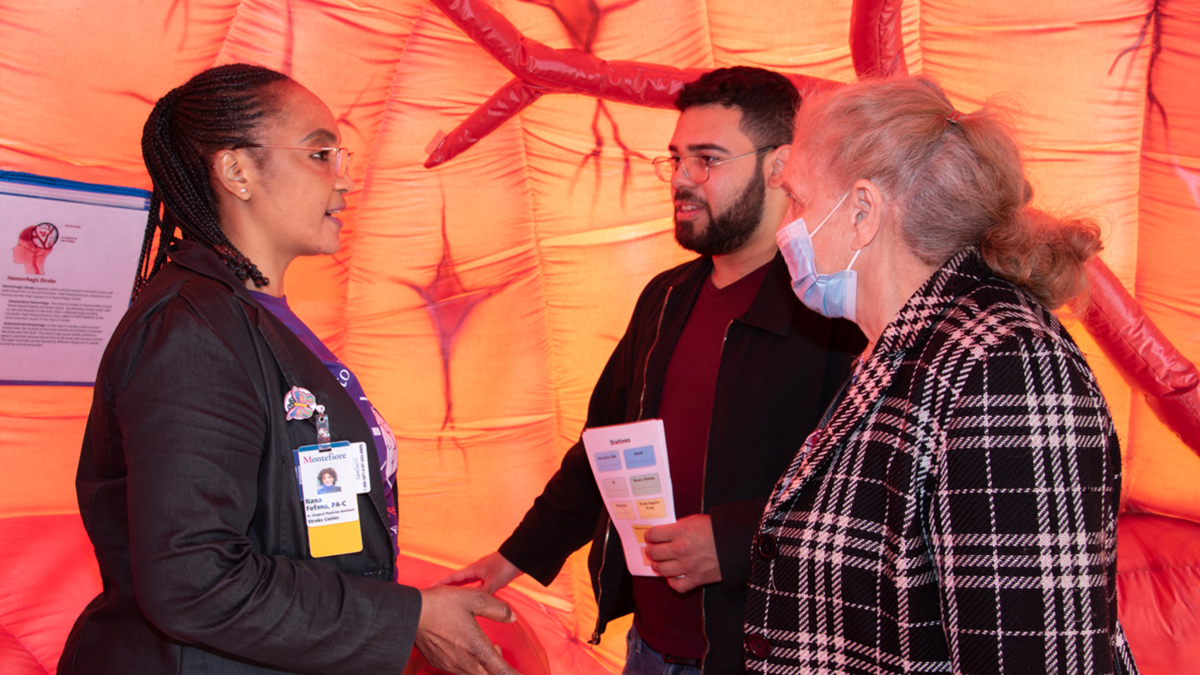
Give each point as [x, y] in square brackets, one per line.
[739, 371]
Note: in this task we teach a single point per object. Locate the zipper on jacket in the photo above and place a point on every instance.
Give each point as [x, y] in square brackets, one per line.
[600, 586]
[641, 410]
[704, 505]
[646, 367]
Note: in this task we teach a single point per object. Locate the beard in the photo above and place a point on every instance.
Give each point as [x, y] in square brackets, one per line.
[728, 231]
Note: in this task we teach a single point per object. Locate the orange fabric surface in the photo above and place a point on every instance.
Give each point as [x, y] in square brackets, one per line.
[1162, 475]
[478, 301]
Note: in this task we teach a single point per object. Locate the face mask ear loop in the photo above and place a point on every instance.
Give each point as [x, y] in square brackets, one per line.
[853, 259]
[839, 205]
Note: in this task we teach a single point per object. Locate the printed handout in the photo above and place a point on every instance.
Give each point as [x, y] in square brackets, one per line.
[631, 467]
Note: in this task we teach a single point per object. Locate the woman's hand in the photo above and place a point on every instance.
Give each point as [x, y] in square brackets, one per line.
[449, 637]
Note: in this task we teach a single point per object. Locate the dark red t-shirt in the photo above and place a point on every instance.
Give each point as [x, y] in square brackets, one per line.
[670, 622]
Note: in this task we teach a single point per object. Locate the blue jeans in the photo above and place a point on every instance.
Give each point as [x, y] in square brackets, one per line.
[641, 659]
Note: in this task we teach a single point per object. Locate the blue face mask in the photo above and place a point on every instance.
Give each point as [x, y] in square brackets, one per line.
[833, 295]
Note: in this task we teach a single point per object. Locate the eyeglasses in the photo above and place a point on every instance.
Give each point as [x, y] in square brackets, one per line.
[695, 167]
[341, 156]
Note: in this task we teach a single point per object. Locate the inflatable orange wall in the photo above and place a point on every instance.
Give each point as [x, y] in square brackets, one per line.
[479, 299]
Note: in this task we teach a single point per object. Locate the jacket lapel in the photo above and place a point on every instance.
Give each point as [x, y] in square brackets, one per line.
[202, 261]
[347, 415]
[774, 306]
[862, 393]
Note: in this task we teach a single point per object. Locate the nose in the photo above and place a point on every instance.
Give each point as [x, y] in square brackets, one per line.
[344, 183]
[679, 178]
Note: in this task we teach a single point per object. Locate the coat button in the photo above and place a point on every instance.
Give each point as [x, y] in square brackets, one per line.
[757, 646]
[767, 546]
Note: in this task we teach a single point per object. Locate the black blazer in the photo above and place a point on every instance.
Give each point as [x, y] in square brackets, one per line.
[188, 492]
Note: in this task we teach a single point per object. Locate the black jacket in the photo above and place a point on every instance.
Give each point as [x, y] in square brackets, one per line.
[781, 364]
[188, 491]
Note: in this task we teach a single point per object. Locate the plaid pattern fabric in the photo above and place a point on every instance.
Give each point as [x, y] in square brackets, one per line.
[957, 510]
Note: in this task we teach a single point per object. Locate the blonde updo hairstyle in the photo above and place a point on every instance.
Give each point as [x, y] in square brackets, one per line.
[952, 184]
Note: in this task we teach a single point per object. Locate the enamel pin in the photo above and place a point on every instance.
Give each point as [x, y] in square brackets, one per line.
[300, 404]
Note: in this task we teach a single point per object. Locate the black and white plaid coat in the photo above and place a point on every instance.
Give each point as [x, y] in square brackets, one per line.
[957, 511]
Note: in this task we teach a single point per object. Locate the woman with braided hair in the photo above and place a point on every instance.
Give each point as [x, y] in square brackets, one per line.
[209, 394]
[956, 509]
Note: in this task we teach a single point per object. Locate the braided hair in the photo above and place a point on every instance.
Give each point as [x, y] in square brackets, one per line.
[217, 109]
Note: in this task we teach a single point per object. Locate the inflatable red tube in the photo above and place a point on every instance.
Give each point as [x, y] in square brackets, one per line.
[540, 69]
[876, 43]
[565, 70]
[1144, 356]
[506, 103]
[1142, 353]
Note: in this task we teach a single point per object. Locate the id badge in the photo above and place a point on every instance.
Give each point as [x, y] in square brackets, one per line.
[328, 485]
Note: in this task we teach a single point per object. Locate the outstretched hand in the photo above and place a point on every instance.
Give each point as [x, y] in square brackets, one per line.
[493, 571]
[685, 552]
[449, 638]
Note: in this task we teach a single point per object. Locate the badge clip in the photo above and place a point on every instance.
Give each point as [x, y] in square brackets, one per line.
[300, 404]
[322, 422]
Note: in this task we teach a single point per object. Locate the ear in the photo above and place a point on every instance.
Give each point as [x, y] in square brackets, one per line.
[776, 161]
[231, 174]
[866, 212]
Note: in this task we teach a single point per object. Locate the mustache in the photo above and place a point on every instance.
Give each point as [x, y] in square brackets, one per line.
[685, 195]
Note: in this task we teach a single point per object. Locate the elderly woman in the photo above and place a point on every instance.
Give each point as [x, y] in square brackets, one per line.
[956, 510]
[207, 394]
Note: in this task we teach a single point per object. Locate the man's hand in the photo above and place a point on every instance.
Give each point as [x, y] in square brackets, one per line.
[684, 552]
[493, 571]
[449, 637]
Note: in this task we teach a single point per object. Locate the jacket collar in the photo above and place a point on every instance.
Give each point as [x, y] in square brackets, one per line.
[199, 259]
[939, 292]
[773, 306]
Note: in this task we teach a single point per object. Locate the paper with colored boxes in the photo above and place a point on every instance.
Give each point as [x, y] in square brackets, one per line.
[632, 470]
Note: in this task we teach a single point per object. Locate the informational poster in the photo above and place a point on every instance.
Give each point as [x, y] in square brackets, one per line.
[631, 468]
[75, 249]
